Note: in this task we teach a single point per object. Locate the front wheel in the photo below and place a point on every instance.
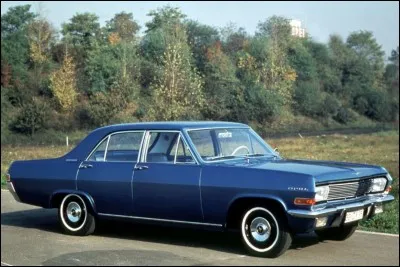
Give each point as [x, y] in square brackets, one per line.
[74, 217]
[337, 233]
[264, 233]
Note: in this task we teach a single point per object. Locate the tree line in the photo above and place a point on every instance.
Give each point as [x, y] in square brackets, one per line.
[85, 75]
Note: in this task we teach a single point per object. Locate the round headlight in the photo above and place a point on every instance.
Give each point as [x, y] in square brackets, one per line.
[377, 185]
[321, 193]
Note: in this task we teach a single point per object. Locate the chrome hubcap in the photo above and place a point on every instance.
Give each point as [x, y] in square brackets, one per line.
[74, 212]
[260, 229]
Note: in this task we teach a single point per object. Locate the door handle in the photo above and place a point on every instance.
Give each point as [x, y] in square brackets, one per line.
[141, 167]
[85, 166]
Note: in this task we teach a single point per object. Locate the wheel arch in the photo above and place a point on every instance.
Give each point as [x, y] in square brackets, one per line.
[57, 196]
[237, 206]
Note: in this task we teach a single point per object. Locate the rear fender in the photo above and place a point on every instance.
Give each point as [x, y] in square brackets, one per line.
[86, 196]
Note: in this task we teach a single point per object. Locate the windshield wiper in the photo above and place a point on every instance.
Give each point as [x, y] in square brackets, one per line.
[222, 157]
[262, 155]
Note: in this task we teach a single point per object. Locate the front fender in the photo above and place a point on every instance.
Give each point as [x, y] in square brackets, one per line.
[257, 196]
[88, 197]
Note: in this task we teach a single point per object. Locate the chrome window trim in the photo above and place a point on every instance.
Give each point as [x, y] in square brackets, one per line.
[157, 219]
[105, 151]
[198, 156]
[145, 146]
[177, 145]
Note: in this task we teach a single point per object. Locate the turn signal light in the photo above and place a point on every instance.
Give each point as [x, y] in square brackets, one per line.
[388, 189]
[304, 201]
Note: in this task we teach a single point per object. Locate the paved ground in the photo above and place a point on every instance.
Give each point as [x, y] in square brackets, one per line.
[31, 236]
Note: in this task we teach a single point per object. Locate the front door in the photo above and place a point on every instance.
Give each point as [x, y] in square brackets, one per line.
[107, 173]
[166, 180]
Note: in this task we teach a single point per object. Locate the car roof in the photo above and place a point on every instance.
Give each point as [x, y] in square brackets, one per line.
[88, 143]
[171, 125]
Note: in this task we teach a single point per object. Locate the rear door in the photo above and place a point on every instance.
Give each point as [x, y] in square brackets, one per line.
[166, 181]
[107, 172]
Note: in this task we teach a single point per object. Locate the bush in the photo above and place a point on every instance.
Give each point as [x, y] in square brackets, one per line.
[262, 105]
[32, 117]
[344, 115]
[374, 104]
[331, 106]
[308, 99]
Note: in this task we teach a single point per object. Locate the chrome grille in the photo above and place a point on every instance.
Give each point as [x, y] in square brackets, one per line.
[349, 190]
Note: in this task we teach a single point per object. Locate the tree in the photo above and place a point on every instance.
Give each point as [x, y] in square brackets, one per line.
[14, 40]
[275, 71]
[32, 117]
[366, 47]
[166, 16]
[63, 85]
[41, 38]
[200, 38]
[220, 83]
[123, 25]
[234, 39]
[178, 92]
[391, 77]
[83, 30]
[302, 62]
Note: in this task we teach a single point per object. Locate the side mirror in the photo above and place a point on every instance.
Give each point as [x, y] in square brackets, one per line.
[276, 150]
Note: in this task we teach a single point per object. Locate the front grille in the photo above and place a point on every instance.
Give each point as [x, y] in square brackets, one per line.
[349, 190]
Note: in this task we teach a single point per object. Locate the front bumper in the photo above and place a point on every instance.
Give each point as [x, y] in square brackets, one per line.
[323, 212]
[11, 188]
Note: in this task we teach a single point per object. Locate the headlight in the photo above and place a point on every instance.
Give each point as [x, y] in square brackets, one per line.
[377, 185]
[322, 193]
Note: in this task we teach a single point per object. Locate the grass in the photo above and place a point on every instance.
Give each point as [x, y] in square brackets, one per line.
[378, 149]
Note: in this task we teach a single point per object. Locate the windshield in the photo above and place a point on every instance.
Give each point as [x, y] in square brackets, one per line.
[229, 143]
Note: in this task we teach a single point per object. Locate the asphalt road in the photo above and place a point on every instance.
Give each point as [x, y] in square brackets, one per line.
[31, 236]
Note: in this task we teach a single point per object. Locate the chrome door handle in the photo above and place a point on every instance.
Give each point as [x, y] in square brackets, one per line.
[85, 166]
[141, 167]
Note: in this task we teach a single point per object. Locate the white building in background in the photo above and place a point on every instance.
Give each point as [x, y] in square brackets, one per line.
[297, 30]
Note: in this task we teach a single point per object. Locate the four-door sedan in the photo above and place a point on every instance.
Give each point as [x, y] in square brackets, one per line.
[216, 175]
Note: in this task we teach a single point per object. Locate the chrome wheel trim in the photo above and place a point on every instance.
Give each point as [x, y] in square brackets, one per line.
[74, 212]
[62, 213]
[260, 229]
[244, 230]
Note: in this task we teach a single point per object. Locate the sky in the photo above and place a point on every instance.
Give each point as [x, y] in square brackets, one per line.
[320, 18]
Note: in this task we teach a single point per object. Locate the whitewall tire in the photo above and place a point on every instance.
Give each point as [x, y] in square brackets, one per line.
[264, 233]
[74, 216]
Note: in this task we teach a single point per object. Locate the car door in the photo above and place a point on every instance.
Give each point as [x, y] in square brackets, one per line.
[107, 172]
[166, 180]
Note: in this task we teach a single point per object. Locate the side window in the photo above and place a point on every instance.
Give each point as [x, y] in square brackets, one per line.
[98, 154]
[183, 154]
[124, 146]
[256, 146]
[121, 147]
[203, 142]
[160, 147]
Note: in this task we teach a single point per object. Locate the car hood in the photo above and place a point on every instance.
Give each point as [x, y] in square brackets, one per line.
[322, 171]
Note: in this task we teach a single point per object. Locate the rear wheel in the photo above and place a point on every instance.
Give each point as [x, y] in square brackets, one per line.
[337, 233]
[74, 217]
[264, 233]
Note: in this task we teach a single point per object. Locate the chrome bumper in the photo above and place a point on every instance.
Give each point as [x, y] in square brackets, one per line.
[11, 188]
[310, 214]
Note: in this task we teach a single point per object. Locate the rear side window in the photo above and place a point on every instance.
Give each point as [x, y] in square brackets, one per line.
[98, 154]
[119, 147]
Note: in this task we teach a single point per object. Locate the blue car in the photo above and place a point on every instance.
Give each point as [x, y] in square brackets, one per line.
[213, 175]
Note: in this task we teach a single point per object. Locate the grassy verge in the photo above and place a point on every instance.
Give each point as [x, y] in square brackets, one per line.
[378, 148]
